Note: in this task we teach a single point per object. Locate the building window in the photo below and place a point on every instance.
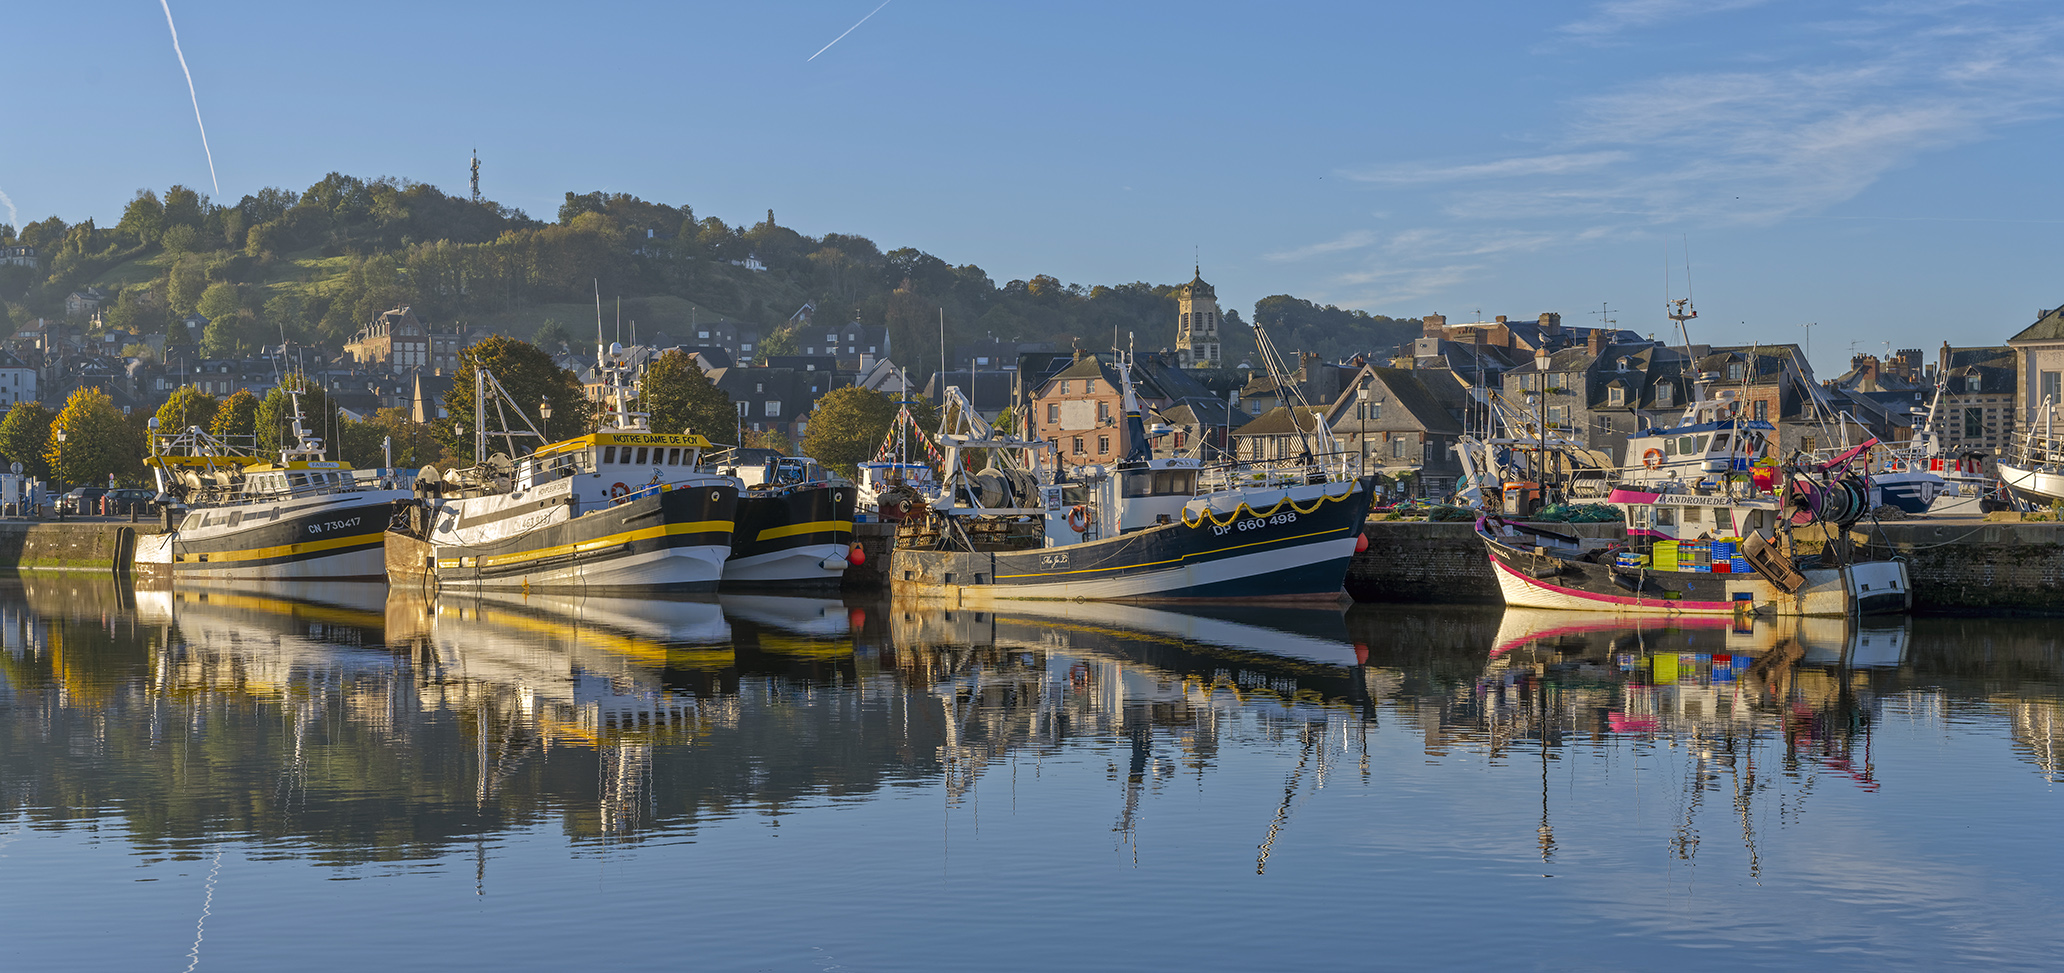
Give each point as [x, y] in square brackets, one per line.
[1103, 411]
[1078, 445]
[1974, 423]
[1397, 448]
[1053, 413]
[1734, 372]
[1615, 396]
[1103, 445]
[1064, 386]
[1973, 383]
[1762, 409]
[2050, 389]
[1089, 386]
[1663, 395]
[773, 408]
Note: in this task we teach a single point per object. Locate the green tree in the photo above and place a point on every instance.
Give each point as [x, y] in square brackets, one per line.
[188, 406]
[185, 284]
[679, 396]
[781, 342]
[274, 418]
[551, 335]
[144, 217]
[25, 435]
[529, 375]
[132, 313]
[98, 442]
[848, 425]
[236, 419]
[230, 335]
[360, 443]
[181, 239]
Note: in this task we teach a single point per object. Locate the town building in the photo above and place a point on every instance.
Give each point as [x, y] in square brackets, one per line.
[85, 303]
[17, 381]
[1077, 401]
[1197, 324]
[17, 255]
[398, 341]
[774, 399]
[2039, 370]
[1977, 401]
[1393, 419]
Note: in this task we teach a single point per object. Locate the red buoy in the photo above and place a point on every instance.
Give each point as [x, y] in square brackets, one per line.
[1361, 543]
[856, 557]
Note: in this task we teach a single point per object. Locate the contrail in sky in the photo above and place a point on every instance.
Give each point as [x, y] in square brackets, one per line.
[820, 50]
[167, 4]
[13, 218]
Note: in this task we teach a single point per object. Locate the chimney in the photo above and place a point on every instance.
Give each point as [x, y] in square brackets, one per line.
[1597, 342]
[1551, 323]
[1501, 319]
[1435, 325]
[1945, 356]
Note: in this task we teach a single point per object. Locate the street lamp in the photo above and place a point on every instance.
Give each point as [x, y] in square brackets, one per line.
[1362, 434]
[60, 435]
[545, 413]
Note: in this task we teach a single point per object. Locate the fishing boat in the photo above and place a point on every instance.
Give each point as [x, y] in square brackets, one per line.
[241, 518]
[619, 509]
[1146, 529]
[1709, 530]
[795, 525]
[2035, 473]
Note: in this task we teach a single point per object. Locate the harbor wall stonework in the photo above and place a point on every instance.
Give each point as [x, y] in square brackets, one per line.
[1967, 568]
[70, 545]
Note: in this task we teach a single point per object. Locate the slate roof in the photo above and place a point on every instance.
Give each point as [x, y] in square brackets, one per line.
[1276, 422]
[2048, 327]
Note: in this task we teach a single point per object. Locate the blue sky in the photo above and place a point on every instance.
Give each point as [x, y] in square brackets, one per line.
[1882, 168]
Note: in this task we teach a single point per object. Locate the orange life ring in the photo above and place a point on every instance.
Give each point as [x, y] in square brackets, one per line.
[1652, 459]
[1080, 519]
[618, 490]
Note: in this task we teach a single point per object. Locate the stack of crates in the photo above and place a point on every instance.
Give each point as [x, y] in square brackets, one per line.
[1695, 556]
[1630, 559]
[1730, 550]
[1665, 556]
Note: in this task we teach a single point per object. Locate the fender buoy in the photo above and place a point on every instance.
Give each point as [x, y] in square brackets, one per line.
[1080, 519]
[618, 490]
[1361, 543]
[1652, 459]
[856, 556]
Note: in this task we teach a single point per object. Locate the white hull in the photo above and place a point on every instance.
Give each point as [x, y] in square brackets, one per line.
[2033, 484]
[677, 568]
[1828, 593]
[797, 565]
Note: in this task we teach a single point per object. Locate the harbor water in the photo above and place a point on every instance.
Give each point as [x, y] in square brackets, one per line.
[351, 778]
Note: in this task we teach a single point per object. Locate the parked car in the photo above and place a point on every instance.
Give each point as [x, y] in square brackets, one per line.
[82, 500]
[121, 502]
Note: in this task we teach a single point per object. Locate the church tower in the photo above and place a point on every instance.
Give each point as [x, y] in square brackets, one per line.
[1196, 333]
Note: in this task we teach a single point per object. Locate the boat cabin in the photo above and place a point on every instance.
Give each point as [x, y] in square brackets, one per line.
[1128, 498]
[635, 459]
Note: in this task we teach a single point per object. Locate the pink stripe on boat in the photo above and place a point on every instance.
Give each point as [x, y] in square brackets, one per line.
[1615, 599]
[1620, 495]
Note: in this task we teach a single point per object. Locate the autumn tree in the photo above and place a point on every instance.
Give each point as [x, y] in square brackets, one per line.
[188, 406]
[24, 436]
[236, 419]
[681, 397]
[98, 442]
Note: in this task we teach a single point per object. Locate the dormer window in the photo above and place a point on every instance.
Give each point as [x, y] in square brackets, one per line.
[1616, 396]
[1623, 364]
[1972, 384]
[1663, 394]
[1734, 372]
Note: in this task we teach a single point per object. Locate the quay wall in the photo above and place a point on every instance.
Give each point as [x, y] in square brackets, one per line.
[71, 545]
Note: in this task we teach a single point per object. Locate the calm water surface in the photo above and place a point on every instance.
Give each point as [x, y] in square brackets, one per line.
[332, 778]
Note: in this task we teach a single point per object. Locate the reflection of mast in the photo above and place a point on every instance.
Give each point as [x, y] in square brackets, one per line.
[1289, 791]
[1141, 730]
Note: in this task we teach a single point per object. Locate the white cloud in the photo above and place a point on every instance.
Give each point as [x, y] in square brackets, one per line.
[1541, 165]
[1761, 143]
[1615, 16]
[1353, 240]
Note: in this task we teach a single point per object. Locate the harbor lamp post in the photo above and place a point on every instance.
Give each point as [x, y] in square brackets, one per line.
[60, 435]
[545, 413]
[1362, 433]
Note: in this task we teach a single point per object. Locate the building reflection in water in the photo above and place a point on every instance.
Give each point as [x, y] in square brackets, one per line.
[364, 725]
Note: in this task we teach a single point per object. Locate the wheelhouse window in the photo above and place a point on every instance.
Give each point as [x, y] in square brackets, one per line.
[608, 454]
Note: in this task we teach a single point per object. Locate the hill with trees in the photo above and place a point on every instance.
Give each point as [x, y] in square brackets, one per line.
[313, 266]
